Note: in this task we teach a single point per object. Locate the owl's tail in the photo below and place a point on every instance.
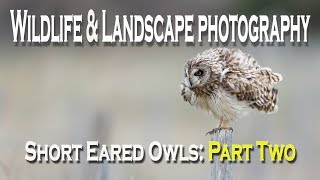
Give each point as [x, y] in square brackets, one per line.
[267, 102]
[272, 107]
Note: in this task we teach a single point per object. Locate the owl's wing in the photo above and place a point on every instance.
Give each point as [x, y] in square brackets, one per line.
[244, 78]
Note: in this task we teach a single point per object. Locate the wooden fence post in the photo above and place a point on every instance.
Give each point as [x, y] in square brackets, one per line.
[221, 170]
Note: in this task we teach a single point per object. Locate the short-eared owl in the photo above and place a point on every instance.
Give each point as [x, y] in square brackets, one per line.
[228, 83]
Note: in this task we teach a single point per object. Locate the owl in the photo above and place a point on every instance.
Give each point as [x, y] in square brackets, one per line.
[229, 83]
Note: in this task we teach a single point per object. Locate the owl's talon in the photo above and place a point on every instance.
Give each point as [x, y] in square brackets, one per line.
[213, 131]
[219, 129]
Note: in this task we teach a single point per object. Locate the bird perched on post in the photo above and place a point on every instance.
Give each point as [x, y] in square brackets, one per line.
[229, 83]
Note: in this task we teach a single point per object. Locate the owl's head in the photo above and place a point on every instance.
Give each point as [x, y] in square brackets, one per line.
[197, 73]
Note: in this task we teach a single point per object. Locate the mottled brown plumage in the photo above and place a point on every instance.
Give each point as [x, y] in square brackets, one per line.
[229, 82]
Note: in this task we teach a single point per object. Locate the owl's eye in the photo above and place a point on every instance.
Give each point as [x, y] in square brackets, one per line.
[198, 73]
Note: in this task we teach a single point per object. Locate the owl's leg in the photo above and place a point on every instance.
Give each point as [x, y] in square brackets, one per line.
[223, 124]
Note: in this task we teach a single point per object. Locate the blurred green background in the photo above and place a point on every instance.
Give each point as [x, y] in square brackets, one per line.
[130, 94]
